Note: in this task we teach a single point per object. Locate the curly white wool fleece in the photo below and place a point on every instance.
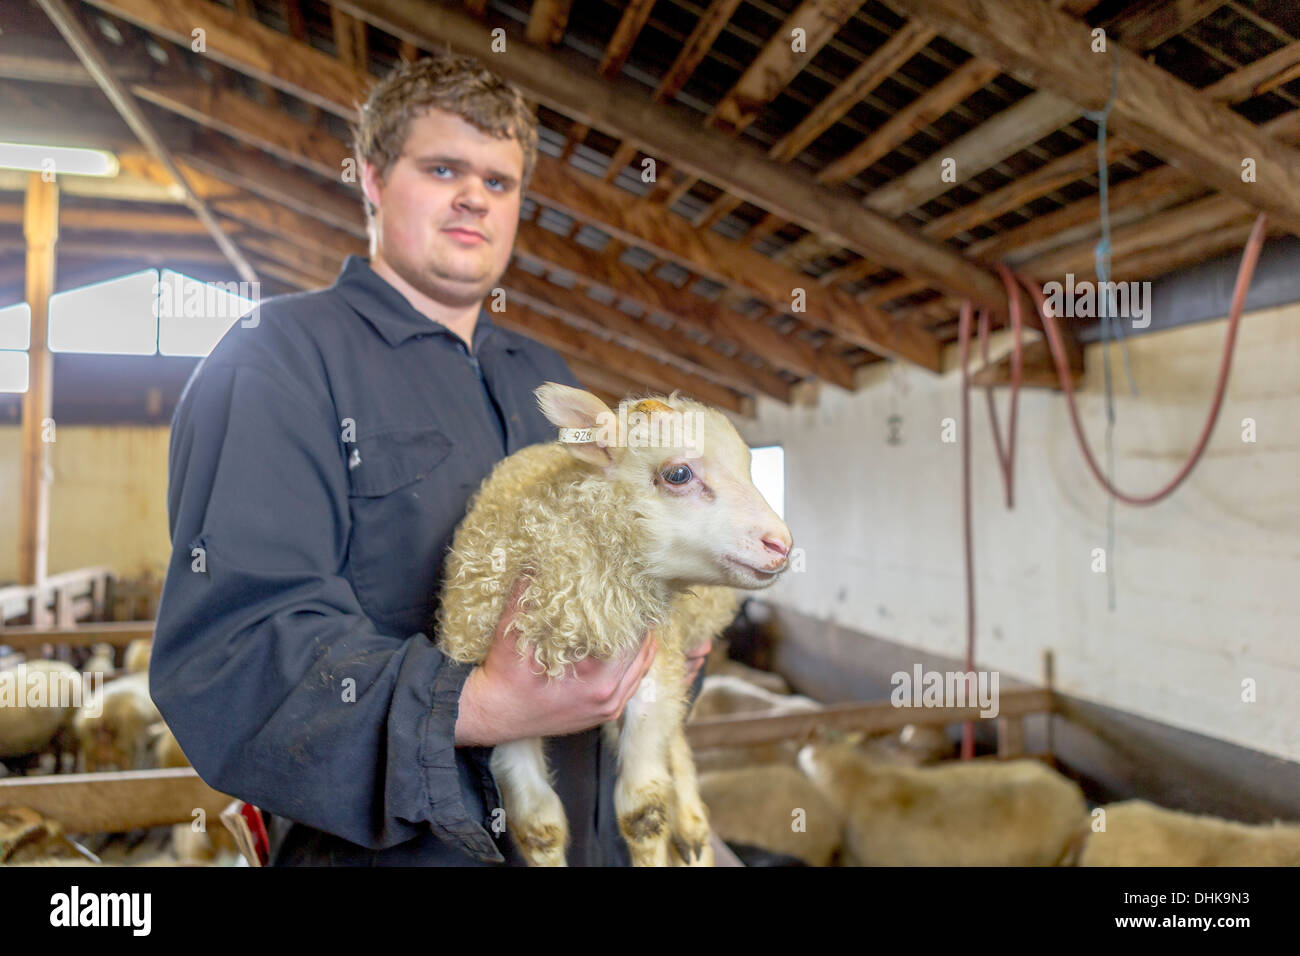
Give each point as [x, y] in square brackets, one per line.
[589, 591]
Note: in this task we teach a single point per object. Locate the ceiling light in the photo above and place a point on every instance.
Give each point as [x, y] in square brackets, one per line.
[60, 160]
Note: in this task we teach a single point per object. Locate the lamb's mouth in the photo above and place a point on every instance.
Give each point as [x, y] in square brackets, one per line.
[758, 573]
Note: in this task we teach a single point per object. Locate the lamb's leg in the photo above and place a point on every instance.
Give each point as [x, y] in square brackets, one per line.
[643, 793]
[689, 817]
[534, 814]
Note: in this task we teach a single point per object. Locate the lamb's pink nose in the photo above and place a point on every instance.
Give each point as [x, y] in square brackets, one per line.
[778, 543]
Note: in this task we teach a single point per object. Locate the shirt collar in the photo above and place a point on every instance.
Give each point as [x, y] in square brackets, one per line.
[393, 317]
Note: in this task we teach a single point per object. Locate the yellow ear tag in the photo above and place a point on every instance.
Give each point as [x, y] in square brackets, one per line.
[650, 406]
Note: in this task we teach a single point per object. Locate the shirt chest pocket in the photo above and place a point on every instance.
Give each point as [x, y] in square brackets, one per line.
[405, 495]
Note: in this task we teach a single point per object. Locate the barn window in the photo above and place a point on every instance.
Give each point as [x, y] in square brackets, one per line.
[15, 336]
[767, 468]
[193, 315]
[114, 317]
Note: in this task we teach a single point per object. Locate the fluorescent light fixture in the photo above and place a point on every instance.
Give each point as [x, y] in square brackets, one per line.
[13, 371]
[767, 469]
[16, 327]
[116, 317]
[193, 315]
[60, 160]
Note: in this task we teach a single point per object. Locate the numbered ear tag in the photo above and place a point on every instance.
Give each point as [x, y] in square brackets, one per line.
[575, 436]
[354, 459]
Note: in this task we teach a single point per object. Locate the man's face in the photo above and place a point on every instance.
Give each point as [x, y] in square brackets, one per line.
[448, 208]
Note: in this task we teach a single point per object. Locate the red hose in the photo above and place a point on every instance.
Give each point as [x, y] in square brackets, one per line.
[1245, 273]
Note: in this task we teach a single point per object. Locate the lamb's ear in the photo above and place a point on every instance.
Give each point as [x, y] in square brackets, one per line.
[581, 415]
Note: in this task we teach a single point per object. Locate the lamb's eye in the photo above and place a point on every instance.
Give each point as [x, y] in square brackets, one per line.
[678, 475]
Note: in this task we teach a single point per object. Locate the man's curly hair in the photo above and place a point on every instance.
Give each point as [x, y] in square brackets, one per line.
[461, 85]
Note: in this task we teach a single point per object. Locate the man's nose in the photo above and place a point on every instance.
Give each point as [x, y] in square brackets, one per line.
[473, 195]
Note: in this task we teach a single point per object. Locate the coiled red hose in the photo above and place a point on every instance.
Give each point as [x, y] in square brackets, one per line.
[1245, 272]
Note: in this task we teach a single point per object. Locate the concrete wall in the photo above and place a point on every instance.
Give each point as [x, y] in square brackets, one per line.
[108, 503]
[1208, 581]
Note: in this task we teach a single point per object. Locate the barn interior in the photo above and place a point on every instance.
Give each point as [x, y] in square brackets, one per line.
[794, 211]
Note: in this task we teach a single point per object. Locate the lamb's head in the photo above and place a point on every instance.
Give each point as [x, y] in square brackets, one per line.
[685, 471]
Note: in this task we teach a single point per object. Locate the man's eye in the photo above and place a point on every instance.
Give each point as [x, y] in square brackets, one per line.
[678, 475]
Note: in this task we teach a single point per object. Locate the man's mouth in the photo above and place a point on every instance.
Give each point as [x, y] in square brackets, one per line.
[467, 236]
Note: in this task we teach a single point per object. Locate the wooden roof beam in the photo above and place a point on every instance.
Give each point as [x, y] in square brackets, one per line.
[653, 293]
[621, 214]
[617, 107]
[547, 21]
[1152, 108]
[635, 14]
[777, 63]
[695, 49]
[875, 69]
[570, 341]
[691, 356]
[134, 117]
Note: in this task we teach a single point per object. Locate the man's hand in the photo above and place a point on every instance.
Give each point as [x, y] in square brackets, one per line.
[505, 698]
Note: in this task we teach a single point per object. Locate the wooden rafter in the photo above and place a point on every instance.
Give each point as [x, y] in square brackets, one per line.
[245, 119]
[695, 49]
[547, 20]
[1152, 108]
[246, 45]
[619, 109]
[875, 69]
[723, 260]
[777, 63]
[641, 365]
[925, 109]
[134, 117]
[635, 15]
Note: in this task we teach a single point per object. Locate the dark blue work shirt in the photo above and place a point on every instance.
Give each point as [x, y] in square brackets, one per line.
[321, 458]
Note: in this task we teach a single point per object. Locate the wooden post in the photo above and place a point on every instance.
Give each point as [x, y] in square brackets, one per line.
[41, 230]
[1011, 737]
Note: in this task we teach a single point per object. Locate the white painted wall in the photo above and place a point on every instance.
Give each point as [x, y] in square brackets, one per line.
[108, 502]
[1208, 581]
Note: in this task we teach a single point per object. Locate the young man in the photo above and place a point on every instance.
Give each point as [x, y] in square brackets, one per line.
[321, 458]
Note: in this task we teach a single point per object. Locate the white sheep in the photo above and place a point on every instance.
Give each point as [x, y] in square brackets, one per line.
[166, 748]
[774, 807]
[136, 658]
[625, 525]
[981, 813]
[100, 661]
[726, 695]
[37, 700]
[720, 665]
[1142, 834]
[112, 726]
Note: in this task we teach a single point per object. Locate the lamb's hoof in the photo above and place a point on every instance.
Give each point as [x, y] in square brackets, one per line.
[690, 835]
[690, 853]
[541, 844]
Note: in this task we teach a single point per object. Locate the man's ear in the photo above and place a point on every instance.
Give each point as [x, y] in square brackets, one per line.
[372, 183]
[589, 429]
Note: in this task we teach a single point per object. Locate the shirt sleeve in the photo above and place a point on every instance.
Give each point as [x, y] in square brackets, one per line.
[279, 689]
